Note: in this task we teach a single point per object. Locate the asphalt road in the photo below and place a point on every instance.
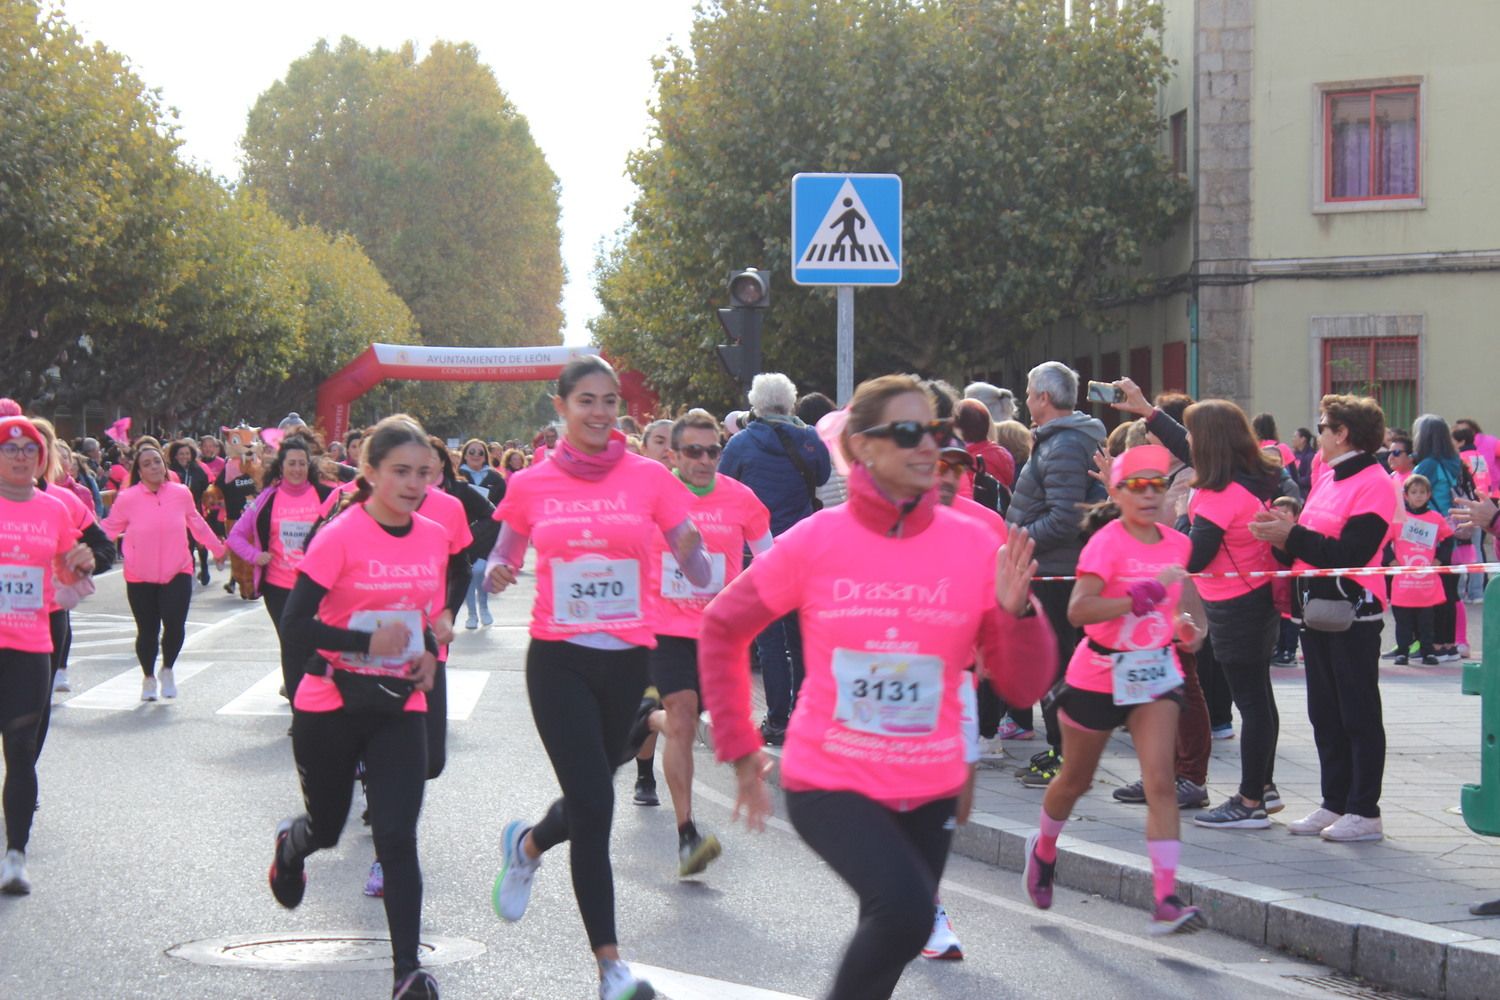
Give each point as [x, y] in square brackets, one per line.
[156, 824]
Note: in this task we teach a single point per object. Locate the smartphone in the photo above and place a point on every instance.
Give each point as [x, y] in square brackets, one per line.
[1105, 392]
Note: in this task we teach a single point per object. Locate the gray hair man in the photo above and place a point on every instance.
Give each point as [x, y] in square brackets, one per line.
[1051, 491]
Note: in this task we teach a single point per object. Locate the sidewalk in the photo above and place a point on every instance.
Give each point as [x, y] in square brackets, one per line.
[1394, 913]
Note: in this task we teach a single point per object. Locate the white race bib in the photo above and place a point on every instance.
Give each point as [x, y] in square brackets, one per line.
[1419, 533]
[369, 621]
[594, 591]
[294, 535]
[889, 694]
[1143, 675]
[20, 588]
[676, 586]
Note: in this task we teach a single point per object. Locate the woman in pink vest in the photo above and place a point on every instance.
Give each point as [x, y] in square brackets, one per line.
[895, 594]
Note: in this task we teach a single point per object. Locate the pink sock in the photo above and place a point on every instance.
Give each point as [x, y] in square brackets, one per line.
[1164, 854]
[1046, 847]
[1461, 625]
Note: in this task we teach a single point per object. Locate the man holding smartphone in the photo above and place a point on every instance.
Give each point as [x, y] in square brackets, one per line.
[1051, 491]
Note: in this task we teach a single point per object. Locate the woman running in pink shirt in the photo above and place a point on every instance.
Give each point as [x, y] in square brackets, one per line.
[39, 549]
[594, 512]
[156, 517]
[1132, 581]
[896, 593]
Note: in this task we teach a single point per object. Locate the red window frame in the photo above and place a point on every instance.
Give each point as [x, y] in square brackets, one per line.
[1372, 92]
[1174, 366]
[1398, 392]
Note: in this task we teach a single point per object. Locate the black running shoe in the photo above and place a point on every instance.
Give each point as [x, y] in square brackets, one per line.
[645, 793]
[640, 729]
[288, 880]
[418, 985]
[773, 734]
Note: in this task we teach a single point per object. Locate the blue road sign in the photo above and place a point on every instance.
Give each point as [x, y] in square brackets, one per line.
[846, 229]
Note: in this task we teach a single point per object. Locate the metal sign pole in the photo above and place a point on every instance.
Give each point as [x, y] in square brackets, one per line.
[845, 343]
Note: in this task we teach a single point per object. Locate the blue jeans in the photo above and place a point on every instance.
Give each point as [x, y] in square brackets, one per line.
[476, 590]
[779, 649]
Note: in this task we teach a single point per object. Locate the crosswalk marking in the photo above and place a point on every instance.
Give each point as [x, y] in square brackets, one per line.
[683, 986]
[122, 692]
[264, 696]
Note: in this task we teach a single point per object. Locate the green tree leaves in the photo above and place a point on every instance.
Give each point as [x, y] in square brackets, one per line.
[1028, 147]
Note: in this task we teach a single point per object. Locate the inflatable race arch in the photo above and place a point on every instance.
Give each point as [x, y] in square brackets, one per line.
[456, 364]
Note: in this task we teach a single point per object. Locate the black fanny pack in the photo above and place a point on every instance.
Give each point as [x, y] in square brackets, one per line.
[365, 694]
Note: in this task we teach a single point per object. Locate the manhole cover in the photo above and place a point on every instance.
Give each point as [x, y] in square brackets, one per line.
[1346, 986]
[334, 951]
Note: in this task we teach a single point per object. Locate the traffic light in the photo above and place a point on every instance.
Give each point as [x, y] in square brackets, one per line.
[749, 295]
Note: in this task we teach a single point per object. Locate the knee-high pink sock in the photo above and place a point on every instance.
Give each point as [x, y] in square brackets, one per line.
[1164, 855]
[1046, 847]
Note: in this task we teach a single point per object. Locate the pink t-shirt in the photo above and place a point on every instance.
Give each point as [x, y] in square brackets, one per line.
[80, 515]
[448, 511]
[1416, 544]
[1231, 510]
[292, 516]
[212, 466]
[727, 517]
[32, 534]
[1288, 457]
[596, 545]
[331, 501]
[1118, 559]
[979, 512]
[888, 627]
[1334, 501]
[367, 569]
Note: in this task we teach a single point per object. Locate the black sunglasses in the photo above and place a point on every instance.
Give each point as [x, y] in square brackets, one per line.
[697, 451]
[909, 433]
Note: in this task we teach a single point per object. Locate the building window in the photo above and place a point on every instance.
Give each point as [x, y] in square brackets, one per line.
[1174, 366]
[1372, 144]
[1383, 368]
[1179, 143]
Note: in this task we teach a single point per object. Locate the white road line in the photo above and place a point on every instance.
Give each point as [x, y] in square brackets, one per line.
[261, 698]
[464, 689]
[1267, 975]
[683, 986]
[122, 692]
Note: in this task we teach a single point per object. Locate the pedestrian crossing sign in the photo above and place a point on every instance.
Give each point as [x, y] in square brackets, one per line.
[846, 229]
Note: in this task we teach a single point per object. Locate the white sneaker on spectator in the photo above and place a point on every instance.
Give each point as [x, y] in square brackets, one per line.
[1314, 822]
[1350, 829]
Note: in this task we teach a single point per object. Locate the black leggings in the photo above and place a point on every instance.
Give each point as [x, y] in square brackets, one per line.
[583, 701]
[62, 640]
[893, 862]
[291, 671]
[327, 746]
[160, 609]
[1244, 631]
[24, 693]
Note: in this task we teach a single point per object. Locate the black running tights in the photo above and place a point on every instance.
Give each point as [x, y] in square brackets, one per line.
[62, 641]
[583, 701]
[24, 692]
[160, 611]
[893, 862]
[327, 746]
[291, 671]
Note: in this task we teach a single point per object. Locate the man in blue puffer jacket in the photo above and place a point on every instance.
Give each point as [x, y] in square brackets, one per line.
[783, 461]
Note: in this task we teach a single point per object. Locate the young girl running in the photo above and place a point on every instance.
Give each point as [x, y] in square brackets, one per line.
[38, 549]
[593, 510]
[1132, 581]
[369, 589]
[156, 517]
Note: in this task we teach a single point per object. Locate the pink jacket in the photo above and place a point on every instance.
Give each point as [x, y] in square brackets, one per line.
[156, 527]
[891, 617]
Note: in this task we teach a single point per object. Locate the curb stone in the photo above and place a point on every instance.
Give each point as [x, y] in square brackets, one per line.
[1389, 952]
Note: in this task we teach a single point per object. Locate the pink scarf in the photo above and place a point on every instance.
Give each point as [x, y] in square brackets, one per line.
[582, 465]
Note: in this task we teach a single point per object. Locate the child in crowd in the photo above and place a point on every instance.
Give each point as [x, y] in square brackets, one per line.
[1281, 595]
[1424, 538]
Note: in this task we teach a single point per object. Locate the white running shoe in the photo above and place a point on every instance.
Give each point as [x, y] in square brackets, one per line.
[148, 689]
[513, 885]
[60, 682]
[168, 683]
[1314, 822]
[1350, 829]
[617, 982]
[943, 943]
[13, 880]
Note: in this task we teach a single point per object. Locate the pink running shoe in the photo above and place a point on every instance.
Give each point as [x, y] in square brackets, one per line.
[1037, 875]
[1010, 731]
[1173, 915]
